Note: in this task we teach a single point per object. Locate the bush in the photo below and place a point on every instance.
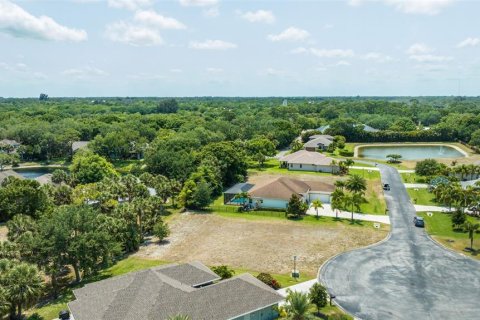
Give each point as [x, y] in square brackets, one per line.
[346, 153]
[35, 316]
[458, 219]
[427, 167]
[161, 230]
[269, 280]
[223, 271]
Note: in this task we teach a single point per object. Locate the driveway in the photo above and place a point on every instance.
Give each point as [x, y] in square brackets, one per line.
[408, 276]
[328, 212]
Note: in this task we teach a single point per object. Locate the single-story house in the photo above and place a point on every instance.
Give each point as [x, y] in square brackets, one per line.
[189, 289]
[304, 160]
[318, 142]
[324, 128]
[366, 128]
[76, 145]
[230, 194]
[276, 193]
[9, 145]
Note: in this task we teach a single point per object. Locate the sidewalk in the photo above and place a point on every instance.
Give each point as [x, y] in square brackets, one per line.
[328, 212]
[416, 185]
[432, 208]
[300, 287]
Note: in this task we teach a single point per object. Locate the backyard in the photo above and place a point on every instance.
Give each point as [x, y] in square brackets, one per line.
[439, 226]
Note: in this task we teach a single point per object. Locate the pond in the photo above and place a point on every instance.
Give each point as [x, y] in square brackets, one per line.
[32, 173]
[409, 152]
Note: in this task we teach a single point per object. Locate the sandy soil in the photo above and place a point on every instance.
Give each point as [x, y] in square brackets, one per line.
[265, 245]
[3, 233]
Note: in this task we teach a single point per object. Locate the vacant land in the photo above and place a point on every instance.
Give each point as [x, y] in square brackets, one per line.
[263, 245]
[439, 226]
[3, 232]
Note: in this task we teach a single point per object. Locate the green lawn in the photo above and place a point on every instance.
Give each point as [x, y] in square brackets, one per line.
[439, 226]
[412, 178]
[422, 197]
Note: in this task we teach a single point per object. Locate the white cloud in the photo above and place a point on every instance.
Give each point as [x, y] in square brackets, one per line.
[430, 58]
[211, 12]
[130, 4]
[299, 50]
[84, 73]
[133, 34]
[259, 16]
[212, 45]
[198, 3]
[290, 34]
[18, 23]
[419, 48]
[332, 53]
[469, 42]
[151, 18]
[377, 56]
[428, 7]
[342, 63]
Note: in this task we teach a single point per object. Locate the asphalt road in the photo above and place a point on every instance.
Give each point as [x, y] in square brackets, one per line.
[408, 276]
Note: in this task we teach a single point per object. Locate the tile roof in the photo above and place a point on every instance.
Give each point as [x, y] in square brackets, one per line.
[154, 294]
[317, 140]
[283, 188]
[307, 157]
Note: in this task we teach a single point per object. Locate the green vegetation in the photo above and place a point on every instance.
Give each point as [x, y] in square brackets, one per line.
[439, 225]
[422, 196]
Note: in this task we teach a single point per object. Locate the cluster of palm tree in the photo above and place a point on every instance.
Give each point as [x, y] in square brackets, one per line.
[453, 195]
[349, 194]
[463, 171]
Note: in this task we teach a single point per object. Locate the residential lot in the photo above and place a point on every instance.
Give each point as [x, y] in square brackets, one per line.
[266, 245]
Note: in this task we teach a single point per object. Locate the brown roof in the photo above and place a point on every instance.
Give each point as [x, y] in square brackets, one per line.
[283, 188]
[307, 157]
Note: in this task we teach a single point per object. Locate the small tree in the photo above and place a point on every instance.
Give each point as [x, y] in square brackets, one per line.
[223, 271]
[394, 158]
[318, 296]
[295, 207]
[161, 230]
[470, 228]
[458, 219]
[297, 305]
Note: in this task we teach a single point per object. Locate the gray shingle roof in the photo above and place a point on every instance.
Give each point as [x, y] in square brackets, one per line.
[153, 295]
[318, 140]
[79, 145]
[9, 173]
[307, 157]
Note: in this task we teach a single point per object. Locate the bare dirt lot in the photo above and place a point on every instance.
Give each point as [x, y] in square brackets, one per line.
[257, 245]
[3, 232]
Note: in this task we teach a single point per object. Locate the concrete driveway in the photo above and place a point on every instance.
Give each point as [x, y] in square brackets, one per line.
[408, 276]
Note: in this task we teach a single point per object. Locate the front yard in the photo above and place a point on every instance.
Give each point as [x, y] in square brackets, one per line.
[422, 196]
[439, 226]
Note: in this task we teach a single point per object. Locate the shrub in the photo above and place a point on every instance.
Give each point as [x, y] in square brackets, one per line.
[346, 153]
[427, 167]
[161, 230]
[35, 316]
[269, 280]
[223, 271]
[458, 219]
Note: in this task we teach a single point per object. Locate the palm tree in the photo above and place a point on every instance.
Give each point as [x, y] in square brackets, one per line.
[337, 200]
[353, 201]
[340, 184]
[4, 304]
[297, 306]
[23, 286]
[317, 204]
[470, 228]
[356, 184]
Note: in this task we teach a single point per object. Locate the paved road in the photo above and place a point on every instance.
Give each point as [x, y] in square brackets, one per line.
[406, 277]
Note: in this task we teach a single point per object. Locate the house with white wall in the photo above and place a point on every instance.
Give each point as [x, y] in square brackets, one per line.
[304, 160]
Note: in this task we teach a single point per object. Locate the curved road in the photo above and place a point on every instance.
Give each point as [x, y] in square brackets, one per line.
[408, 276]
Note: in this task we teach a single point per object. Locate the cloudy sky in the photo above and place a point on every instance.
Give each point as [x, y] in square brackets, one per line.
[239, 48]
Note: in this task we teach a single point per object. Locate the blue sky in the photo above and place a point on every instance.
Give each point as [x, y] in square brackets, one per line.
[239, 48]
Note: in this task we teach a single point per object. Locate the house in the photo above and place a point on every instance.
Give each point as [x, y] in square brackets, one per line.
[318, 142]
[322, 129]
[9, 146]
[275, 194]
[189, 289]
[76, 145]
[229, 196]
[304, 160]
[366, 128]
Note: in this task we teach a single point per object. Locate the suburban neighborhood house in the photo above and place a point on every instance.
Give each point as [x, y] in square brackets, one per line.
[76, 145]
[9, 145]
[189, 289]
[366, 128]
[309, 161]
[318, 142]
[276, 193]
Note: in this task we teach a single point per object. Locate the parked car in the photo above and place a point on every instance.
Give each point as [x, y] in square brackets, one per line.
[386, 187]
[419, 222]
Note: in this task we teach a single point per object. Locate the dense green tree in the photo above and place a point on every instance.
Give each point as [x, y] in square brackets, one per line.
[161, 230]
[21, 197]
[88, 167]
[295, 207]
[318, 296]
[223, 271]
[427, 167]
